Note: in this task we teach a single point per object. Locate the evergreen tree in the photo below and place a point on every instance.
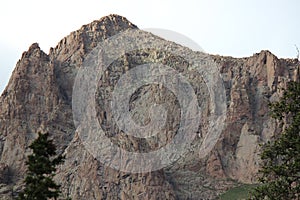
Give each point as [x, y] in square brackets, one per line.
[280, 173]
[39, 184]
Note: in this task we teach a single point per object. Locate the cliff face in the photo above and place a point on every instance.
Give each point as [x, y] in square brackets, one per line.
[39, 97]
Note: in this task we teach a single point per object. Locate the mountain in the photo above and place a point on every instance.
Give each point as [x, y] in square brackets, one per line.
[39, 97]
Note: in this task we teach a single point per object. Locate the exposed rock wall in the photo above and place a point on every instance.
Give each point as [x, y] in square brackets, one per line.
[39, 97]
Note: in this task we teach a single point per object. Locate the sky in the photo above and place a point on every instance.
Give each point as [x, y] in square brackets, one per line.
[235, 28]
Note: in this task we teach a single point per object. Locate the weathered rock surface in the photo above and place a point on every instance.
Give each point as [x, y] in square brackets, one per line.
[39, 97]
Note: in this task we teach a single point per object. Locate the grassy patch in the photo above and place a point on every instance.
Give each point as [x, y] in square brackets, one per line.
[237, 193]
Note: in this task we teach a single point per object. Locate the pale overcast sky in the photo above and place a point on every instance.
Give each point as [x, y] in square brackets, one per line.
[227, 27]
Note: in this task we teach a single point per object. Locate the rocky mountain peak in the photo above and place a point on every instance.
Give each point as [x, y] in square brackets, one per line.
[34, 51]
[106, 23]
[32, 48]
[90, 34]
[39, 96]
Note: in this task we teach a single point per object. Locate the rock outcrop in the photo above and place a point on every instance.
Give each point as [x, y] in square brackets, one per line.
[39, 97]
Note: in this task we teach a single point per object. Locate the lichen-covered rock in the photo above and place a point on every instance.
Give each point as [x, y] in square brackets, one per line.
[39, 97]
